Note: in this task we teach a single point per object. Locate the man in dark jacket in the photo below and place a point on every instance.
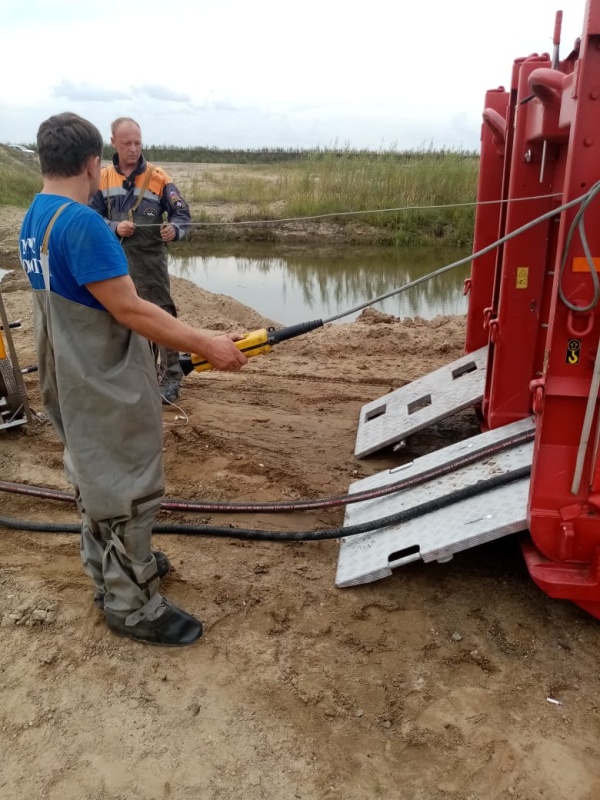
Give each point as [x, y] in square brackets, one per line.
[134, 196]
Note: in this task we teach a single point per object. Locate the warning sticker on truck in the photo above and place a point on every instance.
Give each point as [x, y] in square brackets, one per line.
[522, 277]
[573, 349]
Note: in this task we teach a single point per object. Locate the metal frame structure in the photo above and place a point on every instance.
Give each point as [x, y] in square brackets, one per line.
[534, 310]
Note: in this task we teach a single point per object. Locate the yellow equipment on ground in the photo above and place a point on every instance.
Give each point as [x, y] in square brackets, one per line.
[14, 408]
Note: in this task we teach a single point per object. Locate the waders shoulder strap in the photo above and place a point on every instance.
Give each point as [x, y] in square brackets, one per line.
[44, 248]
[55, 216]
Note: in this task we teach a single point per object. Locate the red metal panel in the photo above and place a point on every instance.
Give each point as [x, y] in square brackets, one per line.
[591, 23]
[519, 314]
[495, 139]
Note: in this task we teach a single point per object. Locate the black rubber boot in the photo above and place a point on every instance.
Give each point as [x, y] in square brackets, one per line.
[174, 627]
[169, 392]
[163, 565]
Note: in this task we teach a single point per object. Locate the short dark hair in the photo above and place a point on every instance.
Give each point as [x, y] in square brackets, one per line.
[65, 143]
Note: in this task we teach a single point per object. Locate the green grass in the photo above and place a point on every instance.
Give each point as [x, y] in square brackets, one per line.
[218, 155]
[20, 178]
[307, 183]
[333, 182]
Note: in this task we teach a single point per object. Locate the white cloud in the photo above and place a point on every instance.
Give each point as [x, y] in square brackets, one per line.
[266, 73]
[85, 92]
[162, 93]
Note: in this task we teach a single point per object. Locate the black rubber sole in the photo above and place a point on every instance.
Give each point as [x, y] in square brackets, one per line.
[154, 644]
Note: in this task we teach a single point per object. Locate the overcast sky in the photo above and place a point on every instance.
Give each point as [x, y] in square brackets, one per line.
[266, 73]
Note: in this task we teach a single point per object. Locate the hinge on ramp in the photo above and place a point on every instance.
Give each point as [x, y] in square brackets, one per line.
[417, 405]
[437, 535]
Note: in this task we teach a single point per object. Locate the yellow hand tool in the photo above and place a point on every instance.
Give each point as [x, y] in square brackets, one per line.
[253, 344]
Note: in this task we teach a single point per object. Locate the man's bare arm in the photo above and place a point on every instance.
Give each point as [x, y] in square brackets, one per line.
[119, 298]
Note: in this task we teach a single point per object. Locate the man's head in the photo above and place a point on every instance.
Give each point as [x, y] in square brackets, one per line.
[69, 145]
[126, 138]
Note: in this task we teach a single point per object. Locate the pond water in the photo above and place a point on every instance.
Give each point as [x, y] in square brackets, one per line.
[291, 285]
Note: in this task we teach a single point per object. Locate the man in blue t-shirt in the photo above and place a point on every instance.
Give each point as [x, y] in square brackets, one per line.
[99, 385]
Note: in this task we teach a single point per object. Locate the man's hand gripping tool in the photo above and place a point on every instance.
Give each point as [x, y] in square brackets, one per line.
[253, 344]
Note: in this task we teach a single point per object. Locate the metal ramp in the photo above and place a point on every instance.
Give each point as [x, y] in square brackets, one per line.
[437, 535]
[411, 408]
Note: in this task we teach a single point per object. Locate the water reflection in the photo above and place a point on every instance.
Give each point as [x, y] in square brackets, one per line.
[296, 284]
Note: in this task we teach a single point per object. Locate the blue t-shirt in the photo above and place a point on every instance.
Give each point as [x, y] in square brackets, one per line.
[82, 248]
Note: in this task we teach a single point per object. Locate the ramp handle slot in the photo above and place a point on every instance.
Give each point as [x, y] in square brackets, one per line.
[464, 370]
[375, 412]
[420, 404]
[405, 556]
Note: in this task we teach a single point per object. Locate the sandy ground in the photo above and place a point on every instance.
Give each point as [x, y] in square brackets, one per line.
[432, 684]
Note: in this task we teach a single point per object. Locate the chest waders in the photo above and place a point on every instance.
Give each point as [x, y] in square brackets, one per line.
[148, 266]
[99, 389]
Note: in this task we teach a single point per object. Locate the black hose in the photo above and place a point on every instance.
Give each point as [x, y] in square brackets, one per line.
[298, 505]
[297, 536]
[276, 336]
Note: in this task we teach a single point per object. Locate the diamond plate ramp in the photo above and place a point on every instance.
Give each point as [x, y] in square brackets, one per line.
[417, 405]
[437, 535]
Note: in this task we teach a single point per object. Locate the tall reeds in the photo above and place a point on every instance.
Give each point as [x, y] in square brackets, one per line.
[428, 186]
[431, 189]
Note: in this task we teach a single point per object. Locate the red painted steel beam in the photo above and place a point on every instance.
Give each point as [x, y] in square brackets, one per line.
[496, 139]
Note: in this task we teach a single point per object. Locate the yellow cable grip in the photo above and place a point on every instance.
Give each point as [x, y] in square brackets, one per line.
[253, 344]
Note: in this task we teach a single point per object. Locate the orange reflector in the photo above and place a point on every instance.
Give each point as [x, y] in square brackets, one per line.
[580, 264]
